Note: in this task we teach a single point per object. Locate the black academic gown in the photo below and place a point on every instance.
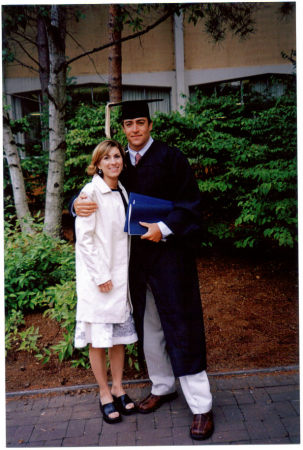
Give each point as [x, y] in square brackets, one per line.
[169, 267]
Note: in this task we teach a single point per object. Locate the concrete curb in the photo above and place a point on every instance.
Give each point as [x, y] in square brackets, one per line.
[93, 386]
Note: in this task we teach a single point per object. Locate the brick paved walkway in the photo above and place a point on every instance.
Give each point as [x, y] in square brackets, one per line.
[254, 409]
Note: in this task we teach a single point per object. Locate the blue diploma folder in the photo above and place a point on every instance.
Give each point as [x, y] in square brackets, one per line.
[143, 208]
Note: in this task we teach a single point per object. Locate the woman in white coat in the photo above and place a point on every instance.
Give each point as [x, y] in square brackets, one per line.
[104, 318]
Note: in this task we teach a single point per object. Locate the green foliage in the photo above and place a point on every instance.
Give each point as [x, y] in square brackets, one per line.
[32, 264]
[244, 157]
[84, 131]
[12, 323]
[29, 339]
[61, 299]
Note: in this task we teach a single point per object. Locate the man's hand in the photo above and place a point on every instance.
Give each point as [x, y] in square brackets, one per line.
[106, 287]
[153, 233]
[83, 208]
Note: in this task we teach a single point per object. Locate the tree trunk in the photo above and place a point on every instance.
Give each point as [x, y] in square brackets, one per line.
[57, 103]
[43, 53]
[114, 56]
[16, 175]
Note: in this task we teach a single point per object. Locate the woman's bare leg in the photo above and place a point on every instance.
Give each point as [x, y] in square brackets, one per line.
[116, 358]
[97, 359]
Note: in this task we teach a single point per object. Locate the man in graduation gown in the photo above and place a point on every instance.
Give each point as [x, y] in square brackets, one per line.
[163, 277]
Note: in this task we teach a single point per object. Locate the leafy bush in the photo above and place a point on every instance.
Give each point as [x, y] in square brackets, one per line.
[32, 264]
[84, 131]
[40, 274]
[244, 157]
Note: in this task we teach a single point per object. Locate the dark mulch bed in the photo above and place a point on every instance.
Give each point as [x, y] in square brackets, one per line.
[250, 305]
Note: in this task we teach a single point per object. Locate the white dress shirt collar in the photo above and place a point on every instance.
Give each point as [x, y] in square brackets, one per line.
[132, 153]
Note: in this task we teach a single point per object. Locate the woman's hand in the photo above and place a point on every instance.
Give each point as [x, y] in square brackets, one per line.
[106, 287]
[84, 208]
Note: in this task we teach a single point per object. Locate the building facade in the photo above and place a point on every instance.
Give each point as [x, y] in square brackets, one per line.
[169, 62]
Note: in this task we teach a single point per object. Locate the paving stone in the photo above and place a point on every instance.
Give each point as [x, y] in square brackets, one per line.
[17, 405]
[22, 418]
[157, 440]
[256, 430]
[229, 436]
[153, 437]
[275, 427]
[219, 415]
[283, 393]
[82, 441]
[294, 439]
[285, 409]
[138, 394]
[108, 439]
[56, 402]
[162, 419]
[19, 433]
[84, 413]
[222, 425]
[261, 396]
[75, 428]
[288, 379]
[55, 415]
[212, 384]
[43, 432]
[178, 403]
[257, 412]
[224, 398]
[243, 397]
[124, 426]
[53, 443]
[296, 405]
[232, 414]
[126, 439]
[181, 418]
[225, 384]
[93, 426]
[262, 380]
[145, 421]
[232, 383]
[266, 413]
[283, 440]
[181, 436]
[292, 425]
[40, 403]
[33, 444]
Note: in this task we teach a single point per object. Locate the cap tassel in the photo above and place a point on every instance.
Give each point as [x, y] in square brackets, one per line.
[107, 120]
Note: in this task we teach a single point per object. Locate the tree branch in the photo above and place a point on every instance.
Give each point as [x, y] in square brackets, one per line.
[25, 65]
[90, 58]
[25, 37]
[25, 51]
[126, 38]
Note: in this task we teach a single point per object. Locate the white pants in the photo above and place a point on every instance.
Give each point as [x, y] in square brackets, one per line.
[195, 387]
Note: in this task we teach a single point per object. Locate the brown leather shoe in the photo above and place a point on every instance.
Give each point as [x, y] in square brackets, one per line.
[153, 402]
[202, 426]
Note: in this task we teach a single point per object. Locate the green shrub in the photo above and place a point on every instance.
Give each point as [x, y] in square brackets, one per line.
[244, 157]
[84, 131]
[32, 264]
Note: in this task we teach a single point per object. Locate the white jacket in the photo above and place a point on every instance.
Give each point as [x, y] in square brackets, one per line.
[102, 254]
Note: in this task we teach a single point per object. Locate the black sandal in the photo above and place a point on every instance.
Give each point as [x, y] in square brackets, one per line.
[106, 410]
[121, 403]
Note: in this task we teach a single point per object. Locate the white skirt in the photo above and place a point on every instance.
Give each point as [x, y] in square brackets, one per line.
[105, 335]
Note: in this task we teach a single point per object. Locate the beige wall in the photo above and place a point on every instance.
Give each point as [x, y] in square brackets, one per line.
[272, 35]
[154, 52]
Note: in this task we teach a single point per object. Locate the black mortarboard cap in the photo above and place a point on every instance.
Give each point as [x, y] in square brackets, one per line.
[131, 109]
